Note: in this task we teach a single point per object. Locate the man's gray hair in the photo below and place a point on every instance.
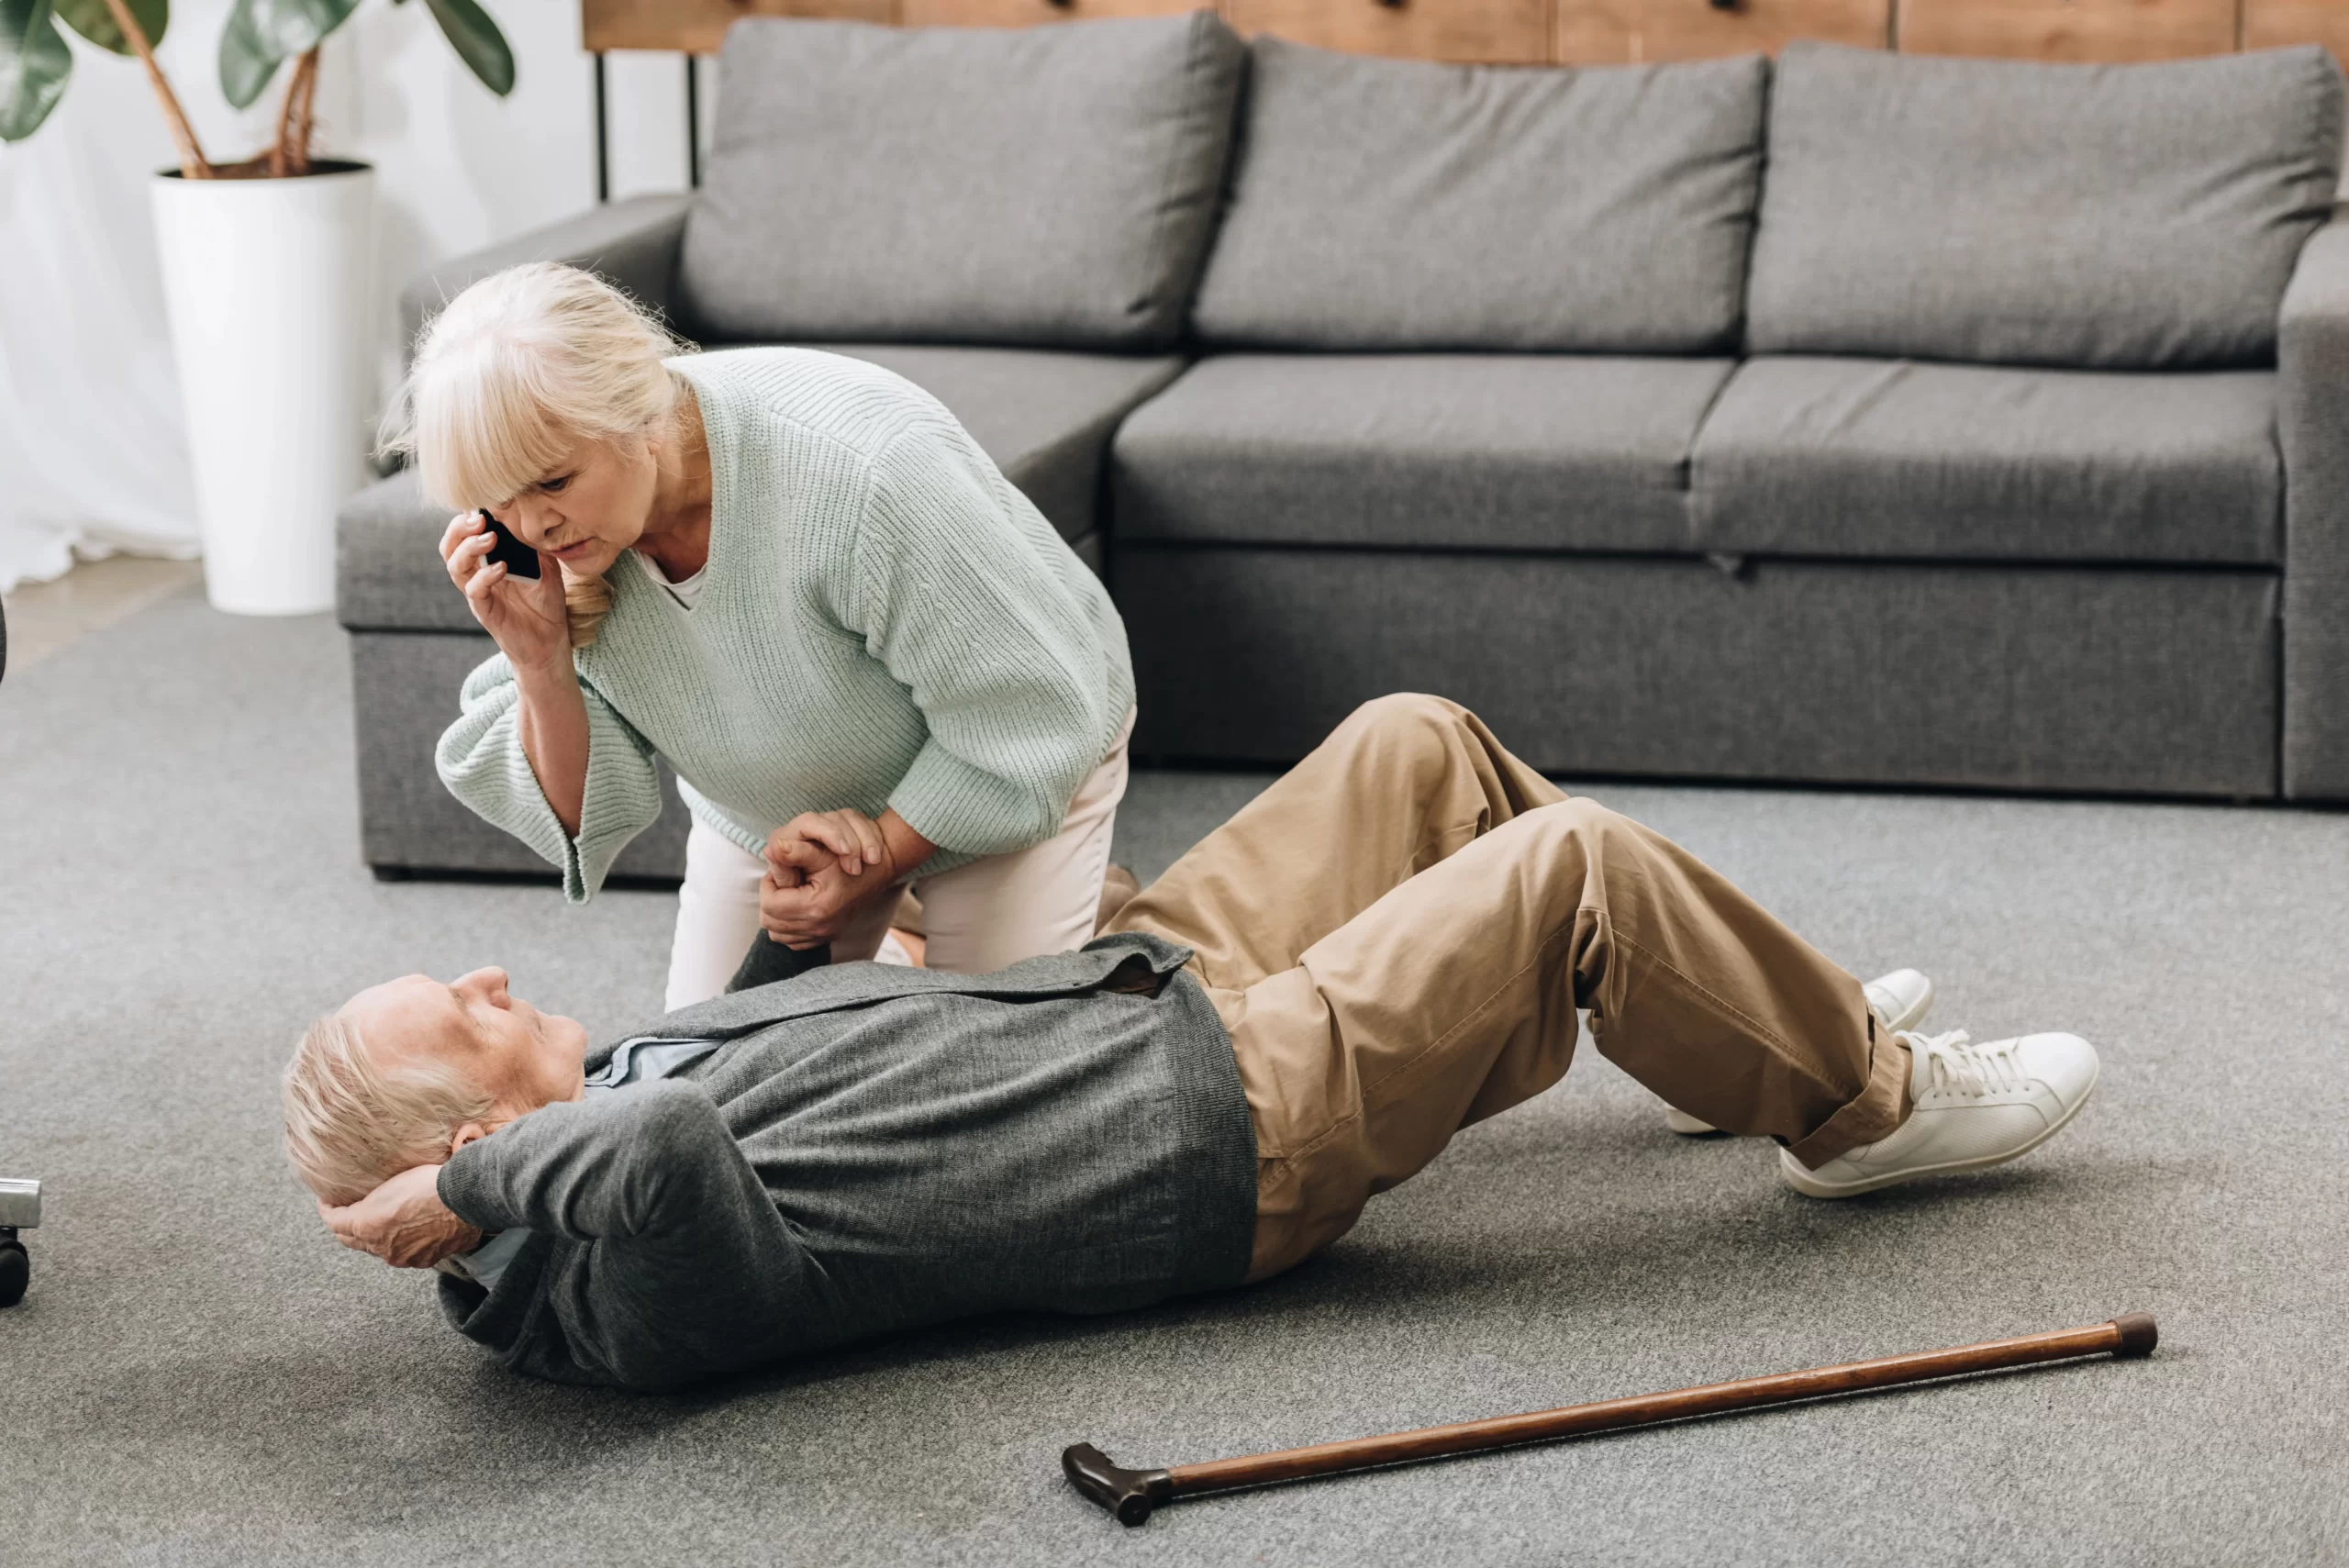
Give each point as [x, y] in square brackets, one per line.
[350, 1124]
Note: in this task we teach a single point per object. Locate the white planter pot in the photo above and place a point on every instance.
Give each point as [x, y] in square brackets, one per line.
[270, 288]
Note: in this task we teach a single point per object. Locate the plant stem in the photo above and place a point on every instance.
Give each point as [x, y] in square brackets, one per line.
[290, 154]
[193, 165]
[310, 68]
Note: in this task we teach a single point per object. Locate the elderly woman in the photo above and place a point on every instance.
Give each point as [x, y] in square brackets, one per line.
[796, 578]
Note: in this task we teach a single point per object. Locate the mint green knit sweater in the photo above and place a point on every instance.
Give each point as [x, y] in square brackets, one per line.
[884, 621]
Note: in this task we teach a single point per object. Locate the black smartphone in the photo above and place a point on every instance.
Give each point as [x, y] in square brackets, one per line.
[518, 559]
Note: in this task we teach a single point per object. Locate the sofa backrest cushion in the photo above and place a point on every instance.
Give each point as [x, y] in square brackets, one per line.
[2104, 216]
[1050, 186]
[1403, 204]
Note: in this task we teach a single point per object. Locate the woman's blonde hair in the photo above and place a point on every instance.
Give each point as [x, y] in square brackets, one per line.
[350, 1125]
[513, 376]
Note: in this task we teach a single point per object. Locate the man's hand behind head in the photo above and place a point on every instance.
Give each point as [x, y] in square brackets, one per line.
[403, 1222]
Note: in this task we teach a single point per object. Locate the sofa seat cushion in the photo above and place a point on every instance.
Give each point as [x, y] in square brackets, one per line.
[1887, 459]
[1052, 186]
[2107, 217]
[1045, 418]
[403, 687]
[1433, 451]
[1397, 204]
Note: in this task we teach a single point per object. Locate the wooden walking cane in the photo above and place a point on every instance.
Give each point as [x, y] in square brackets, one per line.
[1131, 1495]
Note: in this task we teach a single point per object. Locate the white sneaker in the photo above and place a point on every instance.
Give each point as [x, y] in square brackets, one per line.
[1900, 998]
[1975, 1106]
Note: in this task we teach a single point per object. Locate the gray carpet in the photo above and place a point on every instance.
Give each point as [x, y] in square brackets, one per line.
[200, 1376]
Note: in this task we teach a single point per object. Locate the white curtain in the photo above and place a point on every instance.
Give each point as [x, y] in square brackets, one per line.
[92, 455]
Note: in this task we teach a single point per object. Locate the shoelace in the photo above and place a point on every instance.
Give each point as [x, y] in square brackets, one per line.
[1954, 1063]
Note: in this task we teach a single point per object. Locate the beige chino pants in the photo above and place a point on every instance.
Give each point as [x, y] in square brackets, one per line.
[1397, 934]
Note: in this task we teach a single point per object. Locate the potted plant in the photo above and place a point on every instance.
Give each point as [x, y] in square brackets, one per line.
[268, 276]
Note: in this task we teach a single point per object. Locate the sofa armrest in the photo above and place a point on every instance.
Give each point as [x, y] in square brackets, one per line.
[2312, 422]
[631, 244]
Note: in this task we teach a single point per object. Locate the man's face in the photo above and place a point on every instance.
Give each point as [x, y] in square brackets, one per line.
[520, 1056]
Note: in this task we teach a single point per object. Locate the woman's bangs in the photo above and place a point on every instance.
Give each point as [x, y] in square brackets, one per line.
[484, 439]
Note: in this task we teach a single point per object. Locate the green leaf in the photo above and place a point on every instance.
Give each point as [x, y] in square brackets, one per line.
[246, 62]
[477, 43]
[288, 27]
[34, 64]
[93, 19]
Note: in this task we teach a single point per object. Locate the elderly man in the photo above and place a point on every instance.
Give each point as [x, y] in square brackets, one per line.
[1389, 944]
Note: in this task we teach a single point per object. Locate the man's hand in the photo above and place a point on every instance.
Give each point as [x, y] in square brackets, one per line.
[403, 1222]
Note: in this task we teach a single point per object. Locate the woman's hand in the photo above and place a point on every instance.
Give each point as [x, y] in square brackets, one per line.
[853, 839]
[403, 1222]
[822, 867]
[533, 631]
[527, 617]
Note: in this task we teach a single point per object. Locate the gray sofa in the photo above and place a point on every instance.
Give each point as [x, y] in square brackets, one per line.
[1854, 418]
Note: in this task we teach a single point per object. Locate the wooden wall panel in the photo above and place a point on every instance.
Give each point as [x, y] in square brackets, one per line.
[1512, 31]
[1595, 33]
[1698, 30]
[1584, 31]
[1591, 32]
[2273, 24]
[698, 27]
[2069, 30]
[1027, 13]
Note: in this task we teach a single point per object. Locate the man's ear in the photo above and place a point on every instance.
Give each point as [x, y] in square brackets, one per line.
[466, 1134]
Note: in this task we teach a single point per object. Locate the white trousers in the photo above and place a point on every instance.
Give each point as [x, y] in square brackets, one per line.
[979, 916]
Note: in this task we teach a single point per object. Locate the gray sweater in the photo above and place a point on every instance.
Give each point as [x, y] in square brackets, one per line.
[873, 1149]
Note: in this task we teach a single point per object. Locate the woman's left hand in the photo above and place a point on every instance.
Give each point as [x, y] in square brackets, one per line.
[822, 866]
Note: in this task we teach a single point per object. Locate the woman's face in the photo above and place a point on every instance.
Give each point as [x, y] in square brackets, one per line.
[590, 508]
